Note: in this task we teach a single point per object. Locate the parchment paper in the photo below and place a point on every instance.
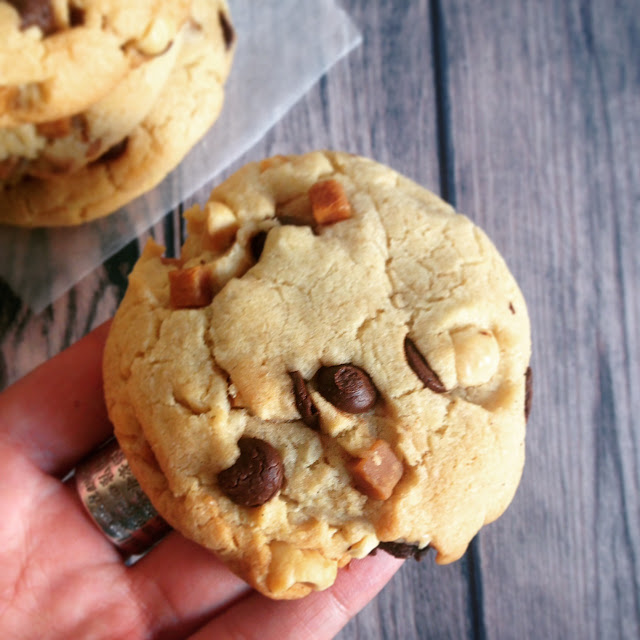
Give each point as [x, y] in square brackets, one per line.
[284, 46]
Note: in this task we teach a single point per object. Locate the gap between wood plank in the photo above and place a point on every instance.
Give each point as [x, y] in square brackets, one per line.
[446, 161]
[443, 107]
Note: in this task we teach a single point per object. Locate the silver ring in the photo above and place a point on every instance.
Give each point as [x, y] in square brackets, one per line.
[116, 503]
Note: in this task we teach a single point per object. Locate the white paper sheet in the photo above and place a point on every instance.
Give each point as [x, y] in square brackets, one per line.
[284, 46]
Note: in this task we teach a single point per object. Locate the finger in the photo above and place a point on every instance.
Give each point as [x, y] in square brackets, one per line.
[56, 414]
[182, 585]
[317, 617]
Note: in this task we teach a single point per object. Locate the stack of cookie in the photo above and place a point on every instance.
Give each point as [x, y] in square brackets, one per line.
[100, 99]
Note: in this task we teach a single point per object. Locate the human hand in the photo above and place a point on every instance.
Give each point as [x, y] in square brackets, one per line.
[61, 578]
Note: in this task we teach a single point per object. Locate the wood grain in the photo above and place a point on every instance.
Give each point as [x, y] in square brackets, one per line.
[525, 116]
[542, 127]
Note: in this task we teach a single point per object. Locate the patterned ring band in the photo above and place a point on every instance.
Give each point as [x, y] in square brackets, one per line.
[116, 503]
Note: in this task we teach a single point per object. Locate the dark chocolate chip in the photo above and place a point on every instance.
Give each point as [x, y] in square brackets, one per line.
[114, 152]
[256, 476]
[347, 387]
[528, 392]
[404, 550]
[512, 308]
[228, 32]
[38, 13]
[304, 402]
[421, 367]
[256, 244]
[76, 16]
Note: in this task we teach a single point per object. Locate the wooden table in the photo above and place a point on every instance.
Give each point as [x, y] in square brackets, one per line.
[525, 116]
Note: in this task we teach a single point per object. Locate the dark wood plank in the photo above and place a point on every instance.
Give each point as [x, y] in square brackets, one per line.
[544, 121]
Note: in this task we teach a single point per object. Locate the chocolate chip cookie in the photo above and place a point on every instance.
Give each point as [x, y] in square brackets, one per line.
[59, 56]
[95, 170]
[336, 363]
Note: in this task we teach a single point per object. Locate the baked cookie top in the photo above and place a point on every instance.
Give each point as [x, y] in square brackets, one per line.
[336, 362]
[188, 103]
[59, 56]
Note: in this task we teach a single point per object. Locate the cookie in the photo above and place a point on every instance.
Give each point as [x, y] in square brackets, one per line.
[63, 146]
[59, 56]
[186, 107]
[335, 364]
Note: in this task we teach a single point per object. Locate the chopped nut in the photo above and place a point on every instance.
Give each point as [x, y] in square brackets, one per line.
[191, 288]
[477, 355]
[222, 227]
[329, 202]
[290, 566]
[377, 471]
[157, 38]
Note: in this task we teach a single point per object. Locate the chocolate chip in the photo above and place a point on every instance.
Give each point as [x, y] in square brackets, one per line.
[76, 16]
[36, 13]
[528, 392]
[256, 476]
[347, 387]
[304, 403]
[512, 308]
[114, 152]
[256, 244]
[421, 367]
[228, 32]
[404, 550]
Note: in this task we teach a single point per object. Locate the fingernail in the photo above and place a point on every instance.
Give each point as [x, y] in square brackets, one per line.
[116, 503]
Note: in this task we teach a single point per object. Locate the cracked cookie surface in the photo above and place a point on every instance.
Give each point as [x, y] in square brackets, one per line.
[92, 170]
[335, 363]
